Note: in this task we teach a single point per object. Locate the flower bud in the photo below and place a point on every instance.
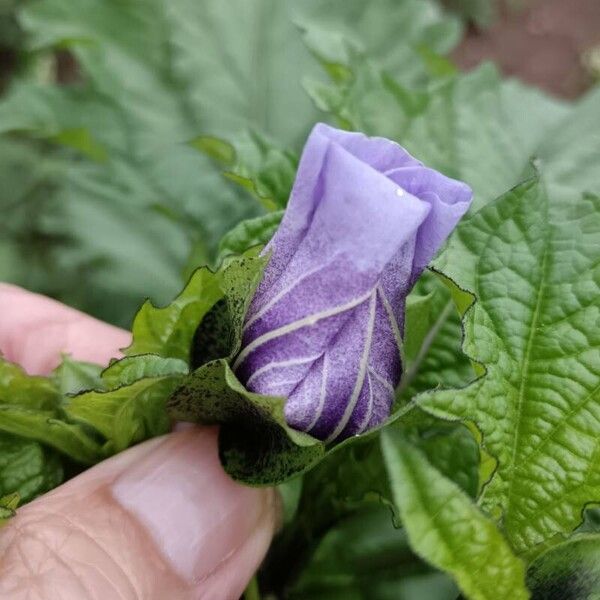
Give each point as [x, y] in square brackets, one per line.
[325, 326]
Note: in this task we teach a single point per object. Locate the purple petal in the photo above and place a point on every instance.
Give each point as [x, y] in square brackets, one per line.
[325, 325]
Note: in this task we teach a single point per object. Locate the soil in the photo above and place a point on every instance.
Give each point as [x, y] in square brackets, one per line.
[553, 44]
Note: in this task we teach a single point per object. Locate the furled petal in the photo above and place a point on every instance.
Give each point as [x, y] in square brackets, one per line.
[324, 328]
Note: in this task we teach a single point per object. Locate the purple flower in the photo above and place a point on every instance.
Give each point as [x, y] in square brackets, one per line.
[324, 328]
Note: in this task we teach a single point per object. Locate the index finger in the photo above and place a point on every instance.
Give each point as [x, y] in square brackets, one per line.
[35, 331]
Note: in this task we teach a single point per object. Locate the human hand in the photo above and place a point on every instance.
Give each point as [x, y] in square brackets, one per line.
[159, 521]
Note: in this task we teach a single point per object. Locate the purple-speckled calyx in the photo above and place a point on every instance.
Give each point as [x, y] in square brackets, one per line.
[325, 325]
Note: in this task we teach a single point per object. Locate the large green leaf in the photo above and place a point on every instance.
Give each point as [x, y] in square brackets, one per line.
[532, 263]
[447, 529]
[218, 66]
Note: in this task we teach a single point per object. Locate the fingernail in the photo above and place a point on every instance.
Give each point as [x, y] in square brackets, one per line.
[195, 513]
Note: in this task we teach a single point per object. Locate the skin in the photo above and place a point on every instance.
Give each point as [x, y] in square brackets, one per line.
[161, 520]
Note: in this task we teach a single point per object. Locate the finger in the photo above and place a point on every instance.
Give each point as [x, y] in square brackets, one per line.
[35, 330]
[161, 520]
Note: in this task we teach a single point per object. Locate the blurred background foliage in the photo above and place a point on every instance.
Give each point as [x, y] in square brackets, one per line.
[113, 114]
[105, 200]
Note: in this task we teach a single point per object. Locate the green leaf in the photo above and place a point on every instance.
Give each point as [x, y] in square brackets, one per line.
[447, 529]
[255, 164]
[365, 558]
[214, 337]
[19, 388]
[81, 139]
[27, 468]
[250, 233]
[219, 150]
[454, 452]
[240, 275]
[130, 369]
[334, 30]
[31, 407]
[254, 81]
[128, 414]
[569, 570]
[433, 338]
[568, 151]
[72, 376]
[168, 331]
[531, 261]
[290, 493]
[48, 428]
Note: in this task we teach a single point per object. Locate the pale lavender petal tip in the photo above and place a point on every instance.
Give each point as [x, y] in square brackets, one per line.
[325, 326]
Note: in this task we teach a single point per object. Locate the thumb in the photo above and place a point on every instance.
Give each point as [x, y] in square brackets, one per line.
[161, 520]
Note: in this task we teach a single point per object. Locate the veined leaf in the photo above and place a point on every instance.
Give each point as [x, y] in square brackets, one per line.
[532, 263]
[447, 529]
[227, 65]
[129, 405]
